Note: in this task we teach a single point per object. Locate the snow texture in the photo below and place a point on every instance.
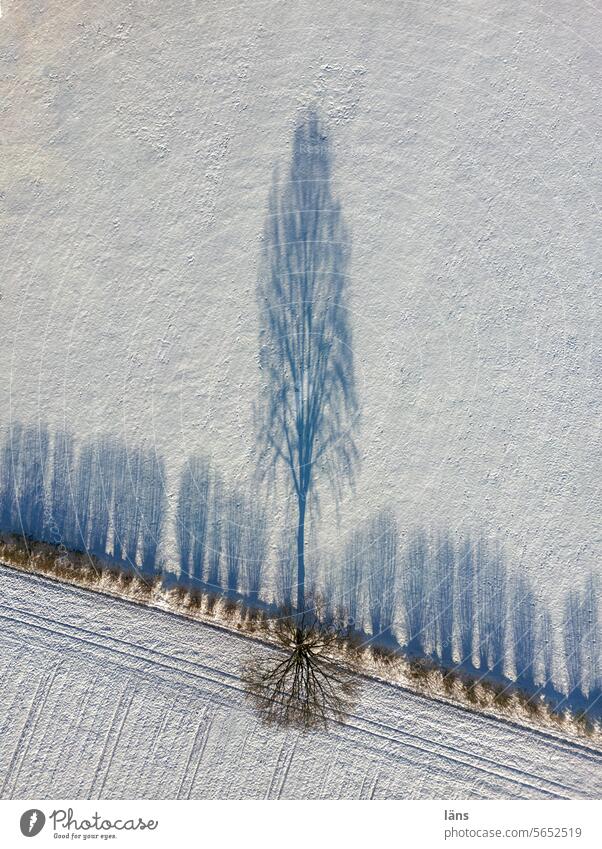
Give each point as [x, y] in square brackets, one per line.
[104, 698]
[138, 149]
[139, 143]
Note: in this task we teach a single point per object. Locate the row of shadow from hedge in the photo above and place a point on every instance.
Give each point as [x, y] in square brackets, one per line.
[446, 596]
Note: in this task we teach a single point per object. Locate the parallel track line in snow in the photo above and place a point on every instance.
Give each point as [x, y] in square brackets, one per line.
[475, 762]
[82, 704]
[270, 787]
[125, 711]
[101, 765]
[31, 722]
[192, 751]
[378, 730]
[280, 771]
[550, 738]
[289, 761]
[387, 731]
[371, 728]
[209, 717]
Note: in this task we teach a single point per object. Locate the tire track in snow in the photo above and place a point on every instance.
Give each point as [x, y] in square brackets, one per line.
[281, 770]
[378, 731]
[371, 728]
[286, 770]
[384, 730]
[200, 738]
[82, 703]
[121, 710]
[475, 762]
[29, 727]
[45, 583]
[205, 737]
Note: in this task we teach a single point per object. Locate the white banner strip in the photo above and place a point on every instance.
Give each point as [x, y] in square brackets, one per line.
[285, 824]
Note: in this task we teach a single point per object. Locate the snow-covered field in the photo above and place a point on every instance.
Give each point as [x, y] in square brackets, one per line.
[103, 698]
[139, 143]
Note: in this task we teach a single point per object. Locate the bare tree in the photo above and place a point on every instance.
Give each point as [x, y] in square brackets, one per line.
[305, 686]
[305, 416]
[307, 407]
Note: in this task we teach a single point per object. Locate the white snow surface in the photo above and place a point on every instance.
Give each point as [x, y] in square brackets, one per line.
[105, 698]
[138, 147]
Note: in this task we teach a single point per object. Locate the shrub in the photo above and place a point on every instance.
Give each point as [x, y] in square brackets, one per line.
[230, 608]
[450, 676]
[301, 685]
[384, 655]
[584, 723]
[501, 696]
[195, 599]
[469, 686]
[419, 670]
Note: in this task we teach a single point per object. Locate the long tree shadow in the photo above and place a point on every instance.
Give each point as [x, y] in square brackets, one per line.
[416, 594]
[457, 609]
[439, 596]
[352, 595]
[524, 632]
[221, 534]
[380, 571]
[101, 497]
[445, 569]
[192, 519]
[24, 470]
[582, 643]
[492, 609]
[467, 558]
[307, 407]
